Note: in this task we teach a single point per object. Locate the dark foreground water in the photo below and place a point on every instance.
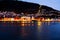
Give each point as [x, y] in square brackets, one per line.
[31, 31]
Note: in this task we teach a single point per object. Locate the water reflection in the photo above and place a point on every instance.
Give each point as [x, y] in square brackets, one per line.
[34, 30]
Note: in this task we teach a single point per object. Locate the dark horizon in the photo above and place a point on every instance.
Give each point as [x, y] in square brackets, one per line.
[8, 0]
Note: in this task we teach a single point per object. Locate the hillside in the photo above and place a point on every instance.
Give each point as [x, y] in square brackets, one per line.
[25, 7]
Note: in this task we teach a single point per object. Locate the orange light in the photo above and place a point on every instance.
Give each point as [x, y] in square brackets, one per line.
[48, 19]
[27, 19]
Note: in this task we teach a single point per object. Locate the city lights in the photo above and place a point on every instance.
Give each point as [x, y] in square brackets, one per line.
[12, 16]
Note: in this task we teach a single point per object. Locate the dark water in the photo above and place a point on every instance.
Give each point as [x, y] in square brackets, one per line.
[33, 31]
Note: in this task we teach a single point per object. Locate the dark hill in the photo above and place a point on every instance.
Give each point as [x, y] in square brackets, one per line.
[47, 8]
[26, 7]
[18, 6]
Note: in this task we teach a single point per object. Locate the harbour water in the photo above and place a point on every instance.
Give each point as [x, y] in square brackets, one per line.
[30, 31]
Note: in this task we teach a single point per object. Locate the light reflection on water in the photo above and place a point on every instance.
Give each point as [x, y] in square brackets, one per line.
[35, 30]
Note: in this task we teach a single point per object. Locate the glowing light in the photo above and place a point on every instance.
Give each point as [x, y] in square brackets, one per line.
[48, 19]
[27, 19]
[12, 19]
[23, 24]
[39, 23]
[33, 18]
[43, 19]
